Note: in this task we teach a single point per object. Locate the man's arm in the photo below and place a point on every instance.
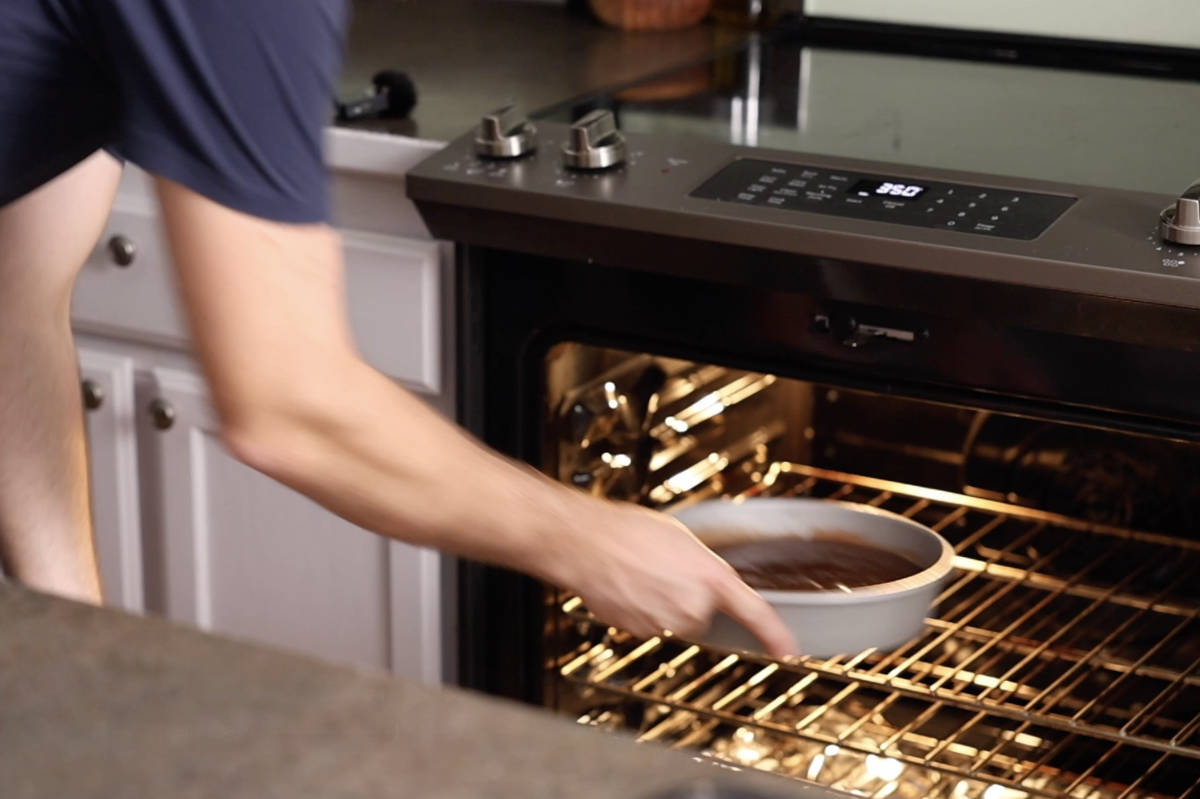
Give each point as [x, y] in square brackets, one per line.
[267, 311]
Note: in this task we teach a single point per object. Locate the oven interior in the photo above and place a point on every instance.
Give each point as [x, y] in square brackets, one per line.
[1062, 658]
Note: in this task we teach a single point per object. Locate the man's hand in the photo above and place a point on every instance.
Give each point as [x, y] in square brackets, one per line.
[644, 572]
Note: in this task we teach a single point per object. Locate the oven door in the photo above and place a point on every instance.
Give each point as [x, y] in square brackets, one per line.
[1064, 655]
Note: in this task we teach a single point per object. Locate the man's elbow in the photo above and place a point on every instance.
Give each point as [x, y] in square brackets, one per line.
[253, 443]
[277, 439]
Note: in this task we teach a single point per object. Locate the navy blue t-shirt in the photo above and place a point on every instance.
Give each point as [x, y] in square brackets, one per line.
[228, 97]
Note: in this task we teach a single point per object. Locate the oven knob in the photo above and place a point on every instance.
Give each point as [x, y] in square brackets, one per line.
[505, 133]
[595, 142]
[1180, 222]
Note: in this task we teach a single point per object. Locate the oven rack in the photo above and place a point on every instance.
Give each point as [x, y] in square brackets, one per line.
[1054, 636]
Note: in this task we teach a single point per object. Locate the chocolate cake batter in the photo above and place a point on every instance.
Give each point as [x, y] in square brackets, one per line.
[825, 562]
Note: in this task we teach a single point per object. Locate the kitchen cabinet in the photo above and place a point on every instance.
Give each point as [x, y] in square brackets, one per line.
[185, 530]
[112, 448]
[228, 549]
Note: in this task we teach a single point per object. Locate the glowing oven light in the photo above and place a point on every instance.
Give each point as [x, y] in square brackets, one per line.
[710, 403]
[747, 749]
[610, 394]
[678, 425]
[619, 461]
[885, 768]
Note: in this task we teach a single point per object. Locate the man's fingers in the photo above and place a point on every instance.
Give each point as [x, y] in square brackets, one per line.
[747, 607]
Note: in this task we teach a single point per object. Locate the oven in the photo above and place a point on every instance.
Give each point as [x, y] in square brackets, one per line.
[1028, 385]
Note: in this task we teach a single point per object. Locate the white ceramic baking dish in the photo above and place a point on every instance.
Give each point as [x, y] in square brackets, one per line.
[828, 623]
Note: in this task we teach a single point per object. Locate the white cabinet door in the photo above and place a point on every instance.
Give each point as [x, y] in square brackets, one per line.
[112, 460]
[230, 550]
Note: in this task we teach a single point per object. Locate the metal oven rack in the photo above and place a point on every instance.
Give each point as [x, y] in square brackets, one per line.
[1063, 661]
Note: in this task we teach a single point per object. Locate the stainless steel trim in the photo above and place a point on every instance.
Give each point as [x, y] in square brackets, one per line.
[1180, 223]
[505, 133]
[594, 142]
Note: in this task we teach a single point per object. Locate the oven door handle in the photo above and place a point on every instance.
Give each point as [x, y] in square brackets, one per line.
[849, 332]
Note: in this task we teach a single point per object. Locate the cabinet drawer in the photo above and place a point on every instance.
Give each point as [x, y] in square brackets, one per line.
[126, 289]
[126, 286]
[394, 290]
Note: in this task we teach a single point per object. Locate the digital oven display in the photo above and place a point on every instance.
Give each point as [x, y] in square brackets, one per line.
[887, 188]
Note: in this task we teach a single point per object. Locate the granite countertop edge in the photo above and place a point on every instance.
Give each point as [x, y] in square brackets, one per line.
[98, 703]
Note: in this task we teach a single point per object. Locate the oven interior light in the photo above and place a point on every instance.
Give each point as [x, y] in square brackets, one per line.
[710, 404]
[618, 461]
[885, 768]
[610, 394]
[747, 749]
[1003, 792]
[678, 425]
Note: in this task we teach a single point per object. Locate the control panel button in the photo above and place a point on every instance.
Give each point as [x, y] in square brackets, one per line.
[908, 200]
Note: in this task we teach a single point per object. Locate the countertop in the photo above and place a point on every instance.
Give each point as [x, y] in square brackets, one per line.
[467, 57]
[95, 703]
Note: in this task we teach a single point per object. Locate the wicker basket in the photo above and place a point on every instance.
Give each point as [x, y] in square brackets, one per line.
[651, 15]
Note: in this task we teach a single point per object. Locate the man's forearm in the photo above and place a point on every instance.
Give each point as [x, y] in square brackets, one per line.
[266, 303]
[380, 457]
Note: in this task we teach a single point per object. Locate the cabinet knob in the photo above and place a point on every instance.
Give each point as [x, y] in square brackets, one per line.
[122, 249]
[93, 395]
[162, 414]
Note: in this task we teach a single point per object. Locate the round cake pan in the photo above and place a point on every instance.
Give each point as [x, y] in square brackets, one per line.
[828, 623]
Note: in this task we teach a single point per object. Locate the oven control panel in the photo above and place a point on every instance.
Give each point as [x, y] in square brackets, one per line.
[982, 210]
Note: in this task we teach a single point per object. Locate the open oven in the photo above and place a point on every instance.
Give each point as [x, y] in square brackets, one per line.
[658, 333]
[1063, 659]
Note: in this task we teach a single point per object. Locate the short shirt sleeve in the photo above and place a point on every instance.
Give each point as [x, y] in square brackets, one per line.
[229, 97]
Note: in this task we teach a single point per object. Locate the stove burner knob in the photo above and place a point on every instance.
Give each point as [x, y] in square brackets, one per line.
[595, 142]
[1180, 223]
[505, 133]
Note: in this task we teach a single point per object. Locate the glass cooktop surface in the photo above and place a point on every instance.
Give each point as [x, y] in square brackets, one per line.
[1093, 128]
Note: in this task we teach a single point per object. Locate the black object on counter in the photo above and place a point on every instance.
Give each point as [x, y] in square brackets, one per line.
[395, 97]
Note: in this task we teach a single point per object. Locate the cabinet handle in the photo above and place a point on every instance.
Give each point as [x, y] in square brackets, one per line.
[122, 249]
[162, 414]
[93, 395]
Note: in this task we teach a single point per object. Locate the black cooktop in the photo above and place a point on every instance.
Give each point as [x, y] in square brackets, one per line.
[1074, 125]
